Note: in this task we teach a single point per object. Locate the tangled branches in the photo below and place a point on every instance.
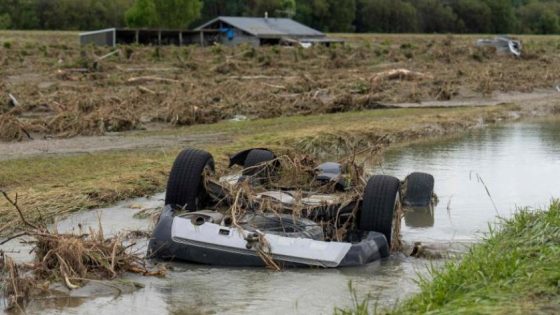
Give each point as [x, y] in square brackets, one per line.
[72, 259]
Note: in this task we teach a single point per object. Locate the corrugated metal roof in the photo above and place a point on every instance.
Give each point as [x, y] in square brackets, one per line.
[267, 27]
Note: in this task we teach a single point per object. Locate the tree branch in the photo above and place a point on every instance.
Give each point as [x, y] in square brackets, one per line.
[14, 203]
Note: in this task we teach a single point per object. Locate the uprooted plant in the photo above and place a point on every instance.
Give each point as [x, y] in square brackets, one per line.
[72, 259]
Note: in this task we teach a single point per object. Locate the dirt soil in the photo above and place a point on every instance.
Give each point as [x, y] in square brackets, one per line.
[50, 86]
[115, 141]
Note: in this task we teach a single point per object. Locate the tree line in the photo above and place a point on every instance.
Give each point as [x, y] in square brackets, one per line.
[383, 16]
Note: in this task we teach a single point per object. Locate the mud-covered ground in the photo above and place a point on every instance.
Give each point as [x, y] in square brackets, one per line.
[60, 89]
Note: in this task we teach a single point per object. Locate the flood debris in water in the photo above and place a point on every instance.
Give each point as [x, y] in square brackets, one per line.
[70, 258]
[336, 204]
[16, 287]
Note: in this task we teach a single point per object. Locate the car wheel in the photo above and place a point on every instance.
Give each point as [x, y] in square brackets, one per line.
[378, 205]
[185, 187]
[254, 163]
[419, 188]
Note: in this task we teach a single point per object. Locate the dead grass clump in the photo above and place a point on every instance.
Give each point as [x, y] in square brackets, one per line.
[398, 74]
[120, 118]
[11, 129]
[189, 111]
[72, 259]
[226, 67]
[77, 258]
[73, 123]
[342, 144]
[16, 287]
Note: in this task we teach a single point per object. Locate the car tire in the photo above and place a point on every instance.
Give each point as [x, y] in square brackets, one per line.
[378, 205]
[255, 158]
[419, 188]
[185, 187]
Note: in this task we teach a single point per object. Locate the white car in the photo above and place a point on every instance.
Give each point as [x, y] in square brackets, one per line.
[191, 227]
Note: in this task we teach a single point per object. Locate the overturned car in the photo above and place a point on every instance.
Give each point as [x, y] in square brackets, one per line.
[280, 211]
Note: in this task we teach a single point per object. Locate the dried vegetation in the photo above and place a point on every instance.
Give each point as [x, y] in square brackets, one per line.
[73, 259]
[64, 90]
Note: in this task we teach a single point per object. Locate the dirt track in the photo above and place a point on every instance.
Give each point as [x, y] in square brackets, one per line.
[45, 147]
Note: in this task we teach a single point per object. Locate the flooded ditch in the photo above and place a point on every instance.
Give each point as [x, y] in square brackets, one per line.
[482, 174]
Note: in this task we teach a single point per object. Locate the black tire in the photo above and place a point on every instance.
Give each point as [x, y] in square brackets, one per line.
[185, 187]
[378, 205]
[419, 188]
[255, 158]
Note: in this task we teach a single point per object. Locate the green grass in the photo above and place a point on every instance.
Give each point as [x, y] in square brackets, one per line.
[514, 270]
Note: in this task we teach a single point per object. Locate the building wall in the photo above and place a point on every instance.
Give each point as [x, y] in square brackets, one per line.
[239, 38]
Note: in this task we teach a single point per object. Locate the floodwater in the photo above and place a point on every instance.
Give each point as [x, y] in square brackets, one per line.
[478, 176]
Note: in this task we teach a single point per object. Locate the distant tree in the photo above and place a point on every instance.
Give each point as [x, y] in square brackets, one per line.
[539, 18]
[475, 16]
[142, 14]
[5, 21]
[115, 14]
[386, 16]
[315, 13]
[503, 16]
[177, 13]
[276, 8]
[434, 16]
[288, 8]
[213, 8]
[22, 13]
[342, 14]
[83, 15]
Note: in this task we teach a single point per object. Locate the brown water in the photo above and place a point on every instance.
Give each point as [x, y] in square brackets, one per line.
[519, 165]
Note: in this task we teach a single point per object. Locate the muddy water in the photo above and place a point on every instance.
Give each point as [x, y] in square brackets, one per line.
[485, 174]
[519, 165]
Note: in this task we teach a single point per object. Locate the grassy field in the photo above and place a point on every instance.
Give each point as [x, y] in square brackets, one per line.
[514, 270]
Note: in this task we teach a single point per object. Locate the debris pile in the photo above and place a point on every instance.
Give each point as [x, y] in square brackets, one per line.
[194, 85]
[73, 259]
[296, 174]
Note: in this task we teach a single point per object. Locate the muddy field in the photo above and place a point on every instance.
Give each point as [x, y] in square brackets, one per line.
[52, 87]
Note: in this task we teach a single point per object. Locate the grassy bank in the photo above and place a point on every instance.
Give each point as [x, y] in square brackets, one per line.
[49, 186]
[514, 270]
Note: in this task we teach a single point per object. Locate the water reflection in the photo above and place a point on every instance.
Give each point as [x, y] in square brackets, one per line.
[509, 166]
[419, 218]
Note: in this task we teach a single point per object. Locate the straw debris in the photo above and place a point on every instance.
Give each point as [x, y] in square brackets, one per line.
[73, 259]
[194, 85]
[294, 173]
